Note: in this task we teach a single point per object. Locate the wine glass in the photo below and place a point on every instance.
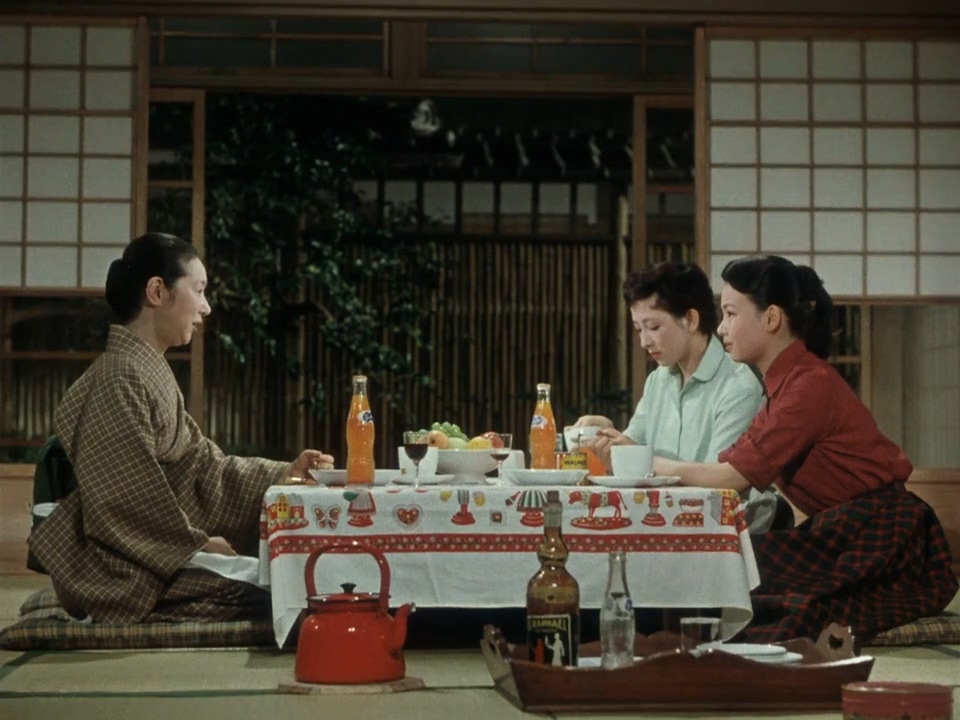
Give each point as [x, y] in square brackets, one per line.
[415, 446]
[501, 453]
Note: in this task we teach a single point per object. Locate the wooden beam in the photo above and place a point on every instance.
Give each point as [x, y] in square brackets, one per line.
[822, 12]
[270, 80]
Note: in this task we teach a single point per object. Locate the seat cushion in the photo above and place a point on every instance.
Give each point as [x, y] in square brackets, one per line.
[943, 629]
[44, 625]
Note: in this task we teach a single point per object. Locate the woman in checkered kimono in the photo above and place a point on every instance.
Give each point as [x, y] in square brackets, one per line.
[152, 491]
[871, 554]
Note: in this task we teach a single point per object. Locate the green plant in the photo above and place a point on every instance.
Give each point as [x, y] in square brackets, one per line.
[290, 242]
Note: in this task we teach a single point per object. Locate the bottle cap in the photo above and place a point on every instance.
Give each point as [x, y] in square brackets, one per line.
[543, 386]
[359, 378]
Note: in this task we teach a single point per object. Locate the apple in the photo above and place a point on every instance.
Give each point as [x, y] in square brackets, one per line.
[479, 443]
[438, 439]
[493, 437]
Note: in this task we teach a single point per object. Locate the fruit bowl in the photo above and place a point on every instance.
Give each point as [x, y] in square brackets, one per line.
[475, 463]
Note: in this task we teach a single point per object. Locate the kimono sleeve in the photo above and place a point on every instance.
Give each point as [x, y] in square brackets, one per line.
[794, 421]
[128, 503]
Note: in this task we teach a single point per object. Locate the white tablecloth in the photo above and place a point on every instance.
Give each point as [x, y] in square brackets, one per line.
[459, 546]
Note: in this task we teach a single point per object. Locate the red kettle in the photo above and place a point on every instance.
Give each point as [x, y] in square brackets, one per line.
[349, 637]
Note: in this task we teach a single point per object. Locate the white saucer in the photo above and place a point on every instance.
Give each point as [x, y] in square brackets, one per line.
[407, 479]
[750, 650]
[339, 477]
[788, 658]
[543, 477]
[623, 482]
[782, 658]
[594, 662]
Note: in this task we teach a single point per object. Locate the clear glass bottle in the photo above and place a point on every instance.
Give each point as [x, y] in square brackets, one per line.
[617, 621]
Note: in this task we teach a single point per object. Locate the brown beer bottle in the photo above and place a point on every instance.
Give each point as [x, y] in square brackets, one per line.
[553, 596]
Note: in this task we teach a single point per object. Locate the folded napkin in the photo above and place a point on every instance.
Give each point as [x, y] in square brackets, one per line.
[239, 567]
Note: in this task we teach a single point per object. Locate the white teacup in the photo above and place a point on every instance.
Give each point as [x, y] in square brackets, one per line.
[428, 466]
[631, 461]
[574, 436]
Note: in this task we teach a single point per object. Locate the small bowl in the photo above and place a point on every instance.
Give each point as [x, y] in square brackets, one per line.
[465, 462]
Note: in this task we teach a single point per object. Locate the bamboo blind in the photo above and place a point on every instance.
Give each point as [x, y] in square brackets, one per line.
[515, 312]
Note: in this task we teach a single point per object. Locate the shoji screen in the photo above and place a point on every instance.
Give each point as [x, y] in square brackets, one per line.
[66, 152]
[836, 152]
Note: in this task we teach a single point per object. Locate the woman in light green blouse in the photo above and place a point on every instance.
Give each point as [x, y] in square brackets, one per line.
[698, 401]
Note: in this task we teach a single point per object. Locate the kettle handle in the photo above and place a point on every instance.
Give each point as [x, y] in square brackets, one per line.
[353, 546]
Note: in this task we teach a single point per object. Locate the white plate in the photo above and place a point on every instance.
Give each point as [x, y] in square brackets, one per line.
[622, 482]
[543, 477]
[594, 662]
[407, 479]
[339, 477]
[786, 659]
[751, 650]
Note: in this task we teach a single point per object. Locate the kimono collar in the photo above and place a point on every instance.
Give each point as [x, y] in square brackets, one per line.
[124, 342]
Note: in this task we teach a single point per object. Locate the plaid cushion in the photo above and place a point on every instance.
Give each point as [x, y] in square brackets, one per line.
[40, 600]
[942, 630]
[49, 633]
[44, 625]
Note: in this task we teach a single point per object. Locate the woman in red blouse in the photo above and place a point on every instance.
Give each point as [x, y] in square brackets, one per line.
[871, 555]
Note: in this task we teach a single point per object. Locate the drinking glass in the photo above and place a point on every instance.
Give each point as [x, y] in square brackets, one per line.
[415, 446]
[696, 631]
[502, 453]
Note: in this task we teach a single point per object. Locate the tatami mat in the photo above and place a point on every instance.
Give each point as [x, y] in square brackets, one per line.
[242, 683]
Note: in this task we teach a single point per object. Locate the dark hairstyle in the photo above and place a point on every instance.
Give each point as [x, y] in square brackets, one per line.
[679, 287]
[796, 289]
[151, 255]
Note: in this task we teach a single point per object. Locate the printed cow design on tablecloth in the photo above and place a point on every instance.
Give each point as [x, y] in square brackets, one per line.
[597, 500]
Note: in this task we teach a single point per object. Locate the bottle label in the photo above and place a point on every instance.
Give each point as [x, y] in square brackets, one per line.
[538, 421]
[553, 639]
[366, 417]
[573, 461]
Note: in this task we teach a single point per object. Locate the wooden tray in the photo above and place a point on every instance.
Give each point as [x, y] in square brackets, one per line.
[668, 679]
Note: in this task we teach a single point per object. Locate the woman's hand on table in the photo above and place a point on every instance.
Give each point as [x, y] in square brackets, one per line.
[310, 460]
[593, 421]
[606, 439]
[219, 546]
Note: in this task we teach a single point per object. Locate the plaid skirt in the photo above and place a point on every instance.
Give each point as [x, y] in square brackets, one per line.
[876, 562]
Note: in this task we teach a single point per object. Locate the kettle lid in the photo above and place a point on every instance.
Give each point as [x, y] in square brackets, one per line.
[347, 596]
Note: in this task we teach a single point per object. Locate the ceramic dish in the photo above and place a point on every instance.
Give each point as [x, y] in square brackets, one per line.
[407, 479]
[621, 482]
[339, 477]
[594, 662]
[759, 653]
[543, 477]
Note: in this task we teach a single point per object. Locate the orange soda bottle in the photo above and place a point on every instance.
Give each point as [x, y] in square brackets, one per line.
[543, 432]
[360, 435]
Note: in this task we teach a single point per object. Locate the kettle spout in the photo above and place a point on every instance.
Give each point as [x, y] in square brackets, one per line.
[395, 643]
